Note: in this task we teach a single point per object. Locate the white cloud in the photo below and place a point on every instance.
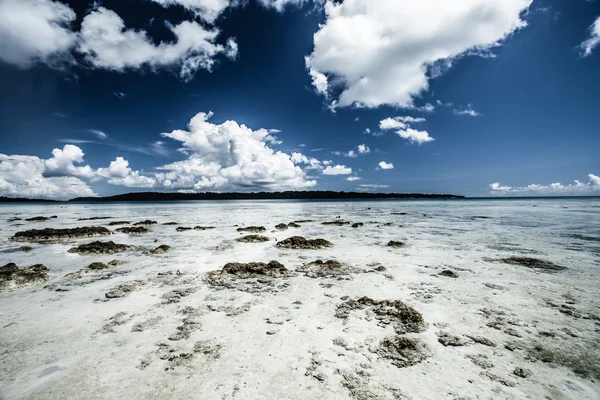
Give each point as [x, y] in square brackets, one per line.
[385, 51]
[35, 31]
[106, 43]
[120, 95]
[280, 5]
[363, 149]
[353, 178]
[310, 162]
[367, 131]
[22, 176]
[590, 43]
[319, 80]
[99, 134]
[208, 10]
[351, 154]
[62, 163]
[467, 111]
[553, 189]
[337, 170]
[384, 165]
[403, 129]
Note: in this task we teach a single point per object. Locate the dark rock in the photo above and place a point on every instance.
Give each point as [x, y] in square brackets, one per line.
[93, 218]
[326, 269]
[299, 242]
[113, 223]
[534, 263]
[121, 290]
[235, 271]
[93, 268]
[26, 249]
[479, 217]
[293, 225]
[38, 219]
[12, 277]
[522, 372]
[163, 248]
[448, 273]
[98, 247]
[146, 222]
[49, 234]
[134, 230]
[203, 228]
[255, 229]
[252, 239]
[381, 268]
[339, 222]
[281, 227]
[403, 351]
[14, 219]
[357, 224]
[183, 228]
[400, 213]
[171, 223]
[303, 221]
[97, 266]
[403, 317]
[396, 244]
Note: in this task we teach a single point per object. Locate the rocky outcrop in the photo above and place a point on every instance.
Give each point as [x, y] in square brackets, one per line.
[12, 277]
[146, 222]
[301, 243]
[337, 222]
[203, 228]
[396, 244]
[162, 249]
[113, 223]
[533, 263]
[50, 234]
[255, 229]
[93, 218]
[236, 271]
[134, 230]
[40, 219]
[94, 269]
[98, 247]
[326, 269]
[252, 239]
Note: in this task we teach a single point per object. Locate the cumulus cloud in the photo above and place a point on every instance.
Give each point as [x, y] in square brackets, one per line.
[63, 163]
[35, 31]
[370, 53]
[403, 129]
[309, 162]
[553, 189]
[590, 43]
[106, 43]
[363, 149]
[384, 165]
[467, 111]
[337, 170]
[22, 176]
[208, 10]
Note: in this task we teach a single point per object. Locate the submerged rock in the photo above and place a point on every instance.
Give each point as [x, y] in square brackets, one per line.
[533, 263]
[252, 239]
[255, 229]
[235, 271]
[396, 244]
[299, 242]
[121, 290]
[14, 219]
[12, 277]
[303, 221]
[403, 317]
[162, 249]
[337, 222]
[357, 224]
[49, 234]
[326, 269]
[281, 227]
[449, 274]
[293, 225]
[94, 268]
[39, 219]
[113, 223]
[146, 222]
[26, 249]
[93, 218]
[134, 230]
[403, 351]
[98, 247]
[203, 228]
[170, 223]
[183, 228]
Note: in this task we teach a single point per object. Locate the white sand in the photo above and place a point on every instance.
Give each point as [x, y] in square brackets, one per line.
[284, 341]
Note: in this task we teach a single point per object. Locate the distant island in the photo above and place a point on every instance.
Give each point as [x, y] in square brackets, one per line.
[288, 195]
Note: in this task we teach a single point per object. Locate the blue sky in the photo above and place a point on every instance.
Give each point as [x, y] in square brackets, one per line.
[476, 97]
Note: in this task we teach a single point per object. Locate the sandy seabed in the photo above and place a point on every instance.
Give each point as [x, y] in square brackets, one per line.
[476, 300]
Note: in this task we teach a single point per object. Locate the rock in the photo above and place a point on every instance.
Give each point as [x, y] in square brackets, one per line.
[252, 239]
[403, 351]
[121, 290]
[26, 249]
[481, 360]
[281, 227]
[98, 247]
[38, 219]
[49, 234]
[14, 219]
[235, 271]
[183, 228]
[326, 269]
[337, 222]
[299, 242]
[171, 223]
[400, 213]
[448, 339]
[255, 229]
[357, 224]
[302, 221]
[271, 332]
[403, 317]
[522, 372]
[93, 218]
[12, 277]
[513, 332]
[97, 266]
[146, 222]
[381, 268]
[203, 228]
[162, 249]
[448, 273]
[293, 225]
[134, 230]
[396, 244]
[93, 268]
[479, 217]
[482, 340]
[533, 263]
[113, 223]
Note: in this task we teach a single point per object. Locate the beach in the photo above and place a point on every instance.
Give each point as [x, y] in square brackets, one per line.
[419, 299]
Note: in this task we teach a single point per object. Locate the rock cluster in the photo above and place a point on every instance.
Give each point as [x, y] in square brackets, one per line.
[98, 247]
[49, 234]
[12, 277]
[299, 242]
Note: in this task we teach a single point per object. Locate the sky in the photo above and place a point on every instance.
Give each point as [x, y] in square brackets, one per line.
[469, 97]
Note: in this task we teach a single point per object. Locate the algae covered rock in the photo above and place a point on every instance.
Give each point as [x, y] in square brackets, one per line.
[299, 242]
[50, 234]
[12, 277]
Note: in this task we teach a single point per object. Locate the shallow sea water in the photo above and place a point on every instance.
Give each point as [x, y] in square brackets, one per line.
[47, 337]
